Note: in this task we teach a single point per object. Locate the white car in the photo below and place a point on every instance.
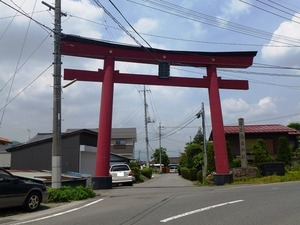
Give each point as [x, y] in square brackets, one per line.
[121, 174]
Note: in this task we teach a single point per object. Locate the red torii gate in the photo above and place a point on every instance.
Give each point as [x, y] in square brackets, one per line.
[110, 52]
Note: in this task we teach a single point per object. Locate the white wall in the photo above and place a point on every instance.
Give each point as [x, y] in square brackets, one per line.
[5, 158]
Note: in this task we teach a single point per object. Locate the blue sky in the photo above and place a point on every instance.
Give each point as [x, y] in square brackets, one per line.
[269, 27]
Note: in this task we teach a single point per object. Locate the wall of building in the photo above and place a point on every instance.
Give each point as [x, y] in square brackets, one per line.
[123, 146]
[3, 147]
[5, 159]
[271, 140]
[38, 156]
[35, 157]
[70, 153]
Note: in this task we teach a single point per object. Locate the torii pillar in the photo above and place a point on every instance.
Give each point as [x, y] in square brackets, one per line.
[102, 179]
[109, 52]
[221, 159]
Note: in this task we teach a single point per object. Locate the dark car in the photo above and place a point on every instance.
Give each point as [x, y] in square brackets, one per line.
[16, 192]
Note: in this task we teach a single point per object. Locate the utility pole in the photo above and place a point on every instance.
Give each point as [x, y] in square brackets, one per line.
[147, 120]
[56, 142]
[201, 114]
[204, 144]
[159, 128]
[56, 139]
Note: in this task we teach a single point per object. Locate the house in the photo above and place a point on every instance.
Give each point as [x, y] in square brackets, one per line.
[269, 133]
[78, 151]
[4, 155]
[122, 140]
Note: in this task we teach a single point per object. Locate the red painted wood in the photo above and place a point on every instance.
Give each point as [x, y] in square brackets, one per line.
[105, 121]
[82, 47]
[78, 46]
[221, 160]
[97, 76]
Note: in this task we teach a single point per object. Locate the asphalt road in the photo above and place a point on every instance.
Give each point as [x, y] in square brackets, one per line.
[169, 199]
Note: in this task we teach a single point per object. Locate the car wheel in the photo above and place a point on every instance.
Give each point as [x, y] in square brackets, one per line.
[129, 184]
[32, 201]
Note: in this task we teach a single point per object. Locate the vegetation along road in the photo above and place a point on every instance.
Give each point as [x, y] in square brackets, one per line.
[169, 199]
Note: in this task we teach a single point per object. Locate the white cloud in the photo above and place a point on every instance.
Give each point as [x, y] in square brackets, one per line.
[233, 9]
[238, 108]
[143, 25]
[81, 101]
[284, 55]
[83, 27]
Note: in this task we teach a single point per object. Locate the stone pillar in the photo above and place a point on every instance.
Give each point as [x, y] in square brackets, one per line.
[243, 153]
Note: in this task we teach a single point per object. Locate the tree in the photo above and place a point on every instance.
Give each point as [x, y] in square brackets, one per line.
[260, 152]
[211, 167]
[229, 154]
[295, 126]
[198, 139]
[164, 156]
[284, 151]
[192, 150]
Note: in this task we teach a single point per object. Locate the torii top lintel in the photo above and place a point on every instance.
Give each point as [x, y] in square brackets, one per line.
[82, 47]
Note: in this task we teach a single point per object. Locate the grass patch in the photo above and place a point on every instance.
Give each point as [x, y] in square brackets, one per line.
[68, 194]
[289, 176]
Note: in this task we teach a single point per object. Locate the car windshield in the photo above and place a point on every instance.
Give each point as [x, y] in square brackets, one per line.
[119, 168]
[5, 175]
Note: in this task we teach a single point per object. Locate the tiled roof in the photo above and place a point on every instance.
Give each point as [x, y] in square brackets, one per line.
[272, 128]
[127, 133]
[4, 140]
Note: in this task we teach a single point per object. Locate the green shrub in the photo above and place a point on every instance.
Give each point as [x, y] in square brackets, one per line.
[135, 168]
[68, 194]
[284, 151]
[236, 163]
[185, 173]
[200, 176]
[137, 174]
[147, 172]
[178, 170]
[134, 165]
[295, 166]
[193, 174]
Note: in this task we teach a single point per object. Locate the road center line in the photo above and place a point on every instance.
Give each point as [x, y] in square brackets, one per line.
[199, 210]
[61, 213]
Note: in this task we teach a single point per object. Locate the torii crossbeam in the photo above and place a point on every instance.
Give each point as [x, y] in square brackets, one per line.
[110, 52]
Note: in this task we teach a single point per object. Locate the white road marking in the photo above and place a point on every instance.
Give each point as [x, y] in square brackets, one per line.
[61, 213]
[199, 210]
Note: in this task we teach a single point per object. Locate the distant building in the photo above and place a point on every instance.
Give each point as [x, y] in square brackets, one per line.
[78, 150]
[269, 133]
[4, 155]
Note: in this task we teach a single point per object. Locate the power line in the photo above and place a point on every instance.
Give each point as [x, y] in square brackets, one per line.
[12, 99]
[267, 11]
[129, 23]
[189, 40]
[16, 69]
[29, 17]
[182, 12]
[117, 22]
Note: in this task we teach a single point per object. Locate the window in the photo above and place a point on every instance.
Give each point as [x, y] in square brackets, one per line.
[120, 168]
[120, 142]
